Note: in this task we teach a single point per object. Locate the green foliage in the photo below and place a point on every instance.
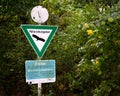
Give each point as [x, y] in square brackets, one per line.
[88, 41]
[97, 72]
[14, 47]
[86, 47]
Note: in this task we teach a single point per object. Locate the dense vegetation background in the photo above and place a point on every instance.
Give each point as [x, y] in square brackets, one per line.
[86, 47]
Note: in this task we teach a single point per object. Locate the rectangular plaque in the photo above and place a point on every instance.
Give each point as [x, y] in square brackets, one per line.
[40, 71]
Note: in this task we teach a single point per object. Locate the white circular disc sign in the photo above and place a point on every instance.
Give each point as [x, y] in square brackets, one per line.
[39, 14]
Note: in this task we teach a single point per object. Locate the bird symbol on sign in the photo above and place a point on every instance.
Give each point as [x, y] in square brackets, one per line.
[38, 38]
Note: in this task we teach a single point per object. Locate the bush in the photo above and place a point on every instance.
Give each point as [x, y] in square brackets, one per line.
[98, 70]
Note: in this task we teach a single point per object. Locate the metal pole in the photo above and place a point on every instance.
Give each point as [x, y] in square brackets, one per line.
[39, 84]
[39, 89]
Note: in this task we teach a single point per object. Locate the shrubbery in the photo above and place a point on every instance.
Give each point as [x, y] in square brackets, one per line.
[87, 49]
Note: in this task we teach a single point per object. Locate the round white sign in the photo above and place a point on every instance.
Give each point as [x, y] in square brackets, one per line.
[39, 14]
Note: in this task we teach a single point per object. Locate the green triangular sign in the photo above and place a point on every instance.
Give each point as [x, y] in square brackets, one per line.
[39, 36]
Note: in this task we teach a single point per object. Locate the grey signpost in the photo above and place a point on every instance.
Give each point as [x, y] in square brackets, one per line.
[39, 89]
[39, 15]
[39, 36]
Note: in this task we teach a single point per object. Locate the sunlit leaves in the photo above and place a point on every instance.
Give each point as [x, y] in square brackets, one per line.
[100, 52]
